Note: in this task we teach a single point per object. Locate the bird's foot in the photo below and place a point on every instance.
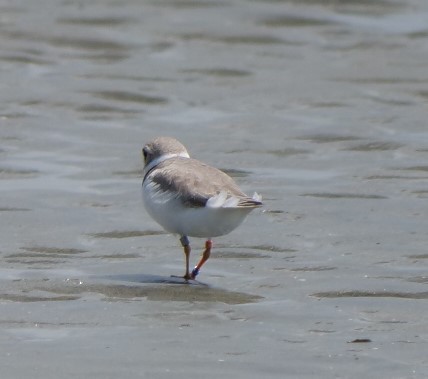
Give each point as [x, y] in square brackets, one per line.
[185, 277]
[192, 275]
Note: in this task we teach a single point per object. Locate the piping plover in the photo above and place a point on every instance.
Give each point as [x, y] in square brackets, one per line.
[190, 198]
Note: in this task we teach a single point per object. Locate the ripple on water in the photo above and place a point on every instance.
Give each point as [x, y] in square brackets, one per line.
[10, 173]
[42, 255]
[54, 251]
[95, 48]
[235, 39]
[127, 233]
[375, 146]
[271, 248]
[316, 268]
[287, 152]
[415, 168]
[421, 193]
[13, 209]
[393, 177]
[137, 173]
[87, 43]
[358, 7]
[293, 21]
[219, 72]
[25, 59]
[418, 256]
[350, 196]
[238, 255]
[418, 279]
[184, 4]
[400, 295]
[30, 299]
[97, 21]
[130, 97]
[103, 109]
[329, 138]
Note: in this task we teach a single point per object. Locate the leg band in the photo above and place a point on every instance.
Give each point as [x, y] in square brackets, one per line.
[195, 272]
[184, 241]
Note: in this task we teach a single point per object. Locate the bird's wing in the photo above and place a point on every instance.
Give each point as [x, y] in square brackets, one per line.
[199, 185]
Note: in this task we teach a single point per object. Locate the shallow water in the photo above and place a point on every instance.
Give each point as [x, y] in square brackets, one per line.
[320, 106]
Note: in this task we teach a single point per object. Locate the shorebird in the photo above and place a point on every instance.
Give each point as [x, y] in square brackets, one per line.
[190, 198]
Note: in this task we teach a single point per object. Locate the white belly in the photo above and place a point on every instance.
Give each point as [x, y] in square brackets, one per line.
[204, 222]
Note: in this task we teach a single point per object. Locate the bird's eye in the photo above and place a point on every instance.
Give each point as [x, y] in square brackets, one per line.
[145, 154]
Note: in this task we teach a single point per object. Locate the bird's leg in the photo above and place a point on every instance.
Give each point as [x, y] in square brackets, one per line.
[205, 255]
[186, 246]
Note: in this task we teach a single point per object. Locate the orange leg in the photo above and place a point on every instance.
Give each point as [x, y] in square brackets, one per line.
[205, 255]
[187, 275]
[186, 246]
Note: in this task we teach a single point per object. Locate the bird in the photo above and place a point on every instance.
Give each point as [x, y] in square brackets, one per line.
[190, 198]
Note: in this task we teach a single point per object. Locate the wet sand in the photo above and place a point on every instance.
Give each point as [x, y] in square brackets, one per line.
[319, 106]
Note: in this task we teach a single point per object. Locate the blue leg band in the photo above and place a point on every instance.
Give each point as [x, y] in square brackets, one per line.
[195, 272]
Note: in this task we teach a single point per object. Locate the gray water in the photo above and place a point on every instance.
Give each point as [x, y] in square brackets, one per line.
[320, 106]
